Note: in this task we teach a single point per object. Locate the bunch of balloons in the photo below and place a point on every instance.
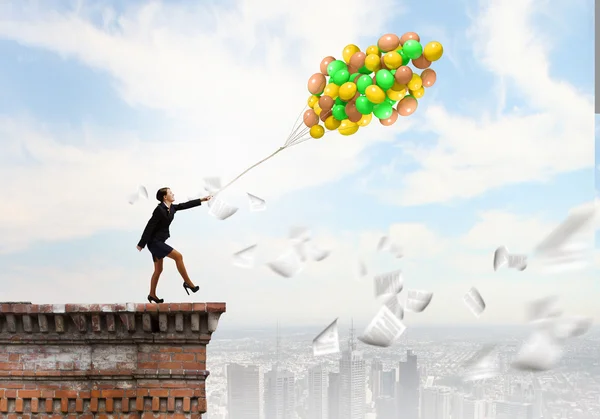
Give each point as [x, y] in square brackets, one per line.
[370, 83]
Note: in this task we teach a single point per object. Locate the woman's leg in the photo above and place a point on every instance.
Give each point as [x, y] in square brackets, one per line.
[178, 258]
[158, 268]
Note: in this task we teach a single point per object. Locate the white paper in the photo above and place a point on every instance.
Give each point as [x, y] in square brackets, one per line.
[212, 184]
[245, 257]
[388, 283]
[570, 245]
[315, 253]
[328, 341]
[140, 193]
[571, 327]
[384, 245]
[396, 251]
[300, 234]
[417, 300]
[543, 308]
[133, 198]
[220, 209]
[540, 352]
[393, 303]
[474, 302]
[287, 265]
[256, 203]
[300, 249]
[517, 261]
[500, 257]
[362, 269]
[384, 329]
[482, 365]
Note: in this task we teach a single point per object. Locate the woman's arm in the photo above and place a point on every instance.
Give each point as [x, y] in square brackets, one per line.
[150, 227]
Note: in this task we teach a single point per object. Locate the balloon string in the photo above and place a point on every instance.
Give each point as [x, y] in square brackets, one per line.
[252, 167]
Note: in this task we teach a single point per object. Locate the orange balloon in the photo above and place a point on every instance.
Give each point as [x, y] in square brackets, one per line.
[403, 75]
[407, 106]
[358, 59]
[385, 67]
[409, 35]
[310, 118]
[353, 114]
[324, 63]
[326, 102]
[388, 42]
[391, 120]
[429, 77]
[316, 83]
[325, 114]
[421, 62]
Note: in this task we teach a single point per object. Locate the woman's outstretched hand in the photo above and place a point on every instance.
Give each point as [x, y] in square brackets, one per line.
[138, 248]
[206, 198]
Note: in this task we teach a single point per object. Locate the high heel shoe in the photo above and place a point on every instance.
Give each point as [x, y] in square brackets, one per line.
[152, 299]
[186, 287]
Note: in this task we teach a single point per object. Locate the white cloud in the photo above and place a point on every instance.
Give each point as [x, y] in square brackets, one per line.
[232, 89]
[551, 135]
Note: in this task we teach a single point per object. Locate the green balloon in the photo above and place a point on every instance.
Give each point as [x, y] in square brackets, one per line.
[363, 82]
[339, 101]
[390, 101]
[341, 77]
[413, 49]
[364, 70]
[353, 77]
[383, 110]
[384, 79]
[339, 112]
[364, 105]
[405, 59]
[336, 66]
[393, 72]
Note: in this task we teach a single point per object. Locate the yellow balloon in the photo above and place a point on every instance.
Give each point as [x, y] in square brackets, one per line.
[415, 83]
[312, 101]
[398, 87]
[373, 49]
[347, 91]
[373, 62]
[375, 94]
[418, 94]
[433, 51]
[392, 60]
[365, 120]
[331, 123]
[331, 90]
[317, 131]
[317, 109]
[348, 127]
[349, 52]
[395, 95]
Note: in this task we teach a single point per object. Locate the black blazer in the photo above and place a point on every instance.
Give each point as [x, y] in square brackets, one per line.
[162, 217]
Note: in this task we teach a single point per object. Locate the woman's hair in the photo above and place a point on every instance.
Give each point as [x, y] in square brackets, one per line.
[161, 193]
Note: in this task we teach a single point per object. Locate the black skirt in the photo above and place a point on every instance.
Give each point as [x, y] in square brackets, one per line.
[159, 249]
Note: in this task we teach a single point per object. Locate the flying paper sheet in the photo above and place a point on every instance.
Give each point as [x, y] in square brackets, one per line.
[287, 265]
[300, 234]
[134, 197]
[388, 283]
[570, 245]
[315, 253]
[220, 209]
[417, 300]
[539, 353]
[482, 365]
[245, 257]
[474, 302]
[384, 245]
[393, 303]
[143, 192]
[362, 269]
[500, 257]
[212, 184]
[300, 249]
[543, 308]
[256, 203]
[384, 329]
[571, 327]
[396, 251]
[328, 341]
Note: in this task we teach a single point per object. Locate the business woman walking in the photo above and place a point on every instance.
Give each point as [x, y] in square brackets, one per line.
[156, 234]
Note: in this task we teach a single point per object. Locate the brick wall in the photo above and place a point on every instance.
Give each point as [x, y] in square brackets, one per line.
[105, 361]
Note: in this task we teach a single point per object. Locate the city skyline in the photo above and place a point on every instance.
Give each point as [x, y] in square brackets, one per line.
[167, 93]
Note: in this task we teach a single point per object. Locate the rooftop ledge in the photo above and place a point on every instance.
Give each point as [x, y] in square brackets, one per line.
[24, 322]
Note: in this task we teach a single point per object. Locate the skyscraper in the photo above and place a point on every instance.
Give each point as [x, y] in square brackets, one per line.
[333, 396]
[513, 410]
[408, 388]
[473, 409]
[375, 378]
[280, 395]
[353, 385]
[385, 407]
[243, 392]
[388, 383]
[317, 392]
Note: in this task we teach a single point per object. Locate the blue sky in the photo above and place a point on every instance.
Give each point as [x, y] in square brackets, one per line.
[90, 99]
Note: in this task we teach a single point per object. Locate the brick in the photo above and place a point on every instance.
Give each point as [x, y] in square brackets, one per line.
[186, 404]
[155, 404]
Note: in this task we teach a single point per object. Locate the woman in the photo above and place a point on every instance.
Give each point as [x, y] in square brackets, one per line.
[156, 234]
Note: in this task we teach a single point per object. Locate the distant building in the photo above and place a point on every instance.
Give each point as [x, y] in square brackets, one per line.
[375, 378]
[353, 384]
[333, 396]
[243, 392]
[317, 392]
[280, 394]
[513, 410]
[385, 407]
[408, 388]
